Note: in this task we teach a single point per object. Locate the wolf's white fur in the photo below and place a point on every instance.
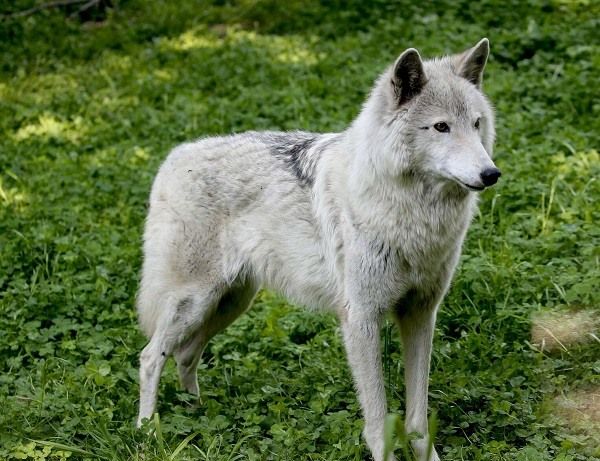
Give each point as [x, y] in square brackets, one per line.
[364, 222]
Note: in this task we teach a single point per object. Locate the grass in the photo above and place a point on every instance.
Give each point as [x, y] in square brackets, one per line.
[87, 113]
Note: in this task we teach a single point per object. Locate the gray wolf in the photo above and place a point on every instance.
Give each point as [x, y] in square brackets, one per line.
[368, 222]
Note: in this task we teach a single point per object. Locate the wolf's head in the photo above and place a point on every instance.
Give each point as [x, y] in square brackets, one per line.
[431, 117]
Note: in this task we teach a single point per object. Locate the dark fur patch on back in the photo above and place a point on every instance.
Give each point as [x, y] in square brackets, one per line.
[293, 149]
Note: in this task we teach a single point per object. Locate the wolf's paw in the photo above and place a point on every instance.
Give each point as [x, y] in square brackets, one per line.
[423, 452]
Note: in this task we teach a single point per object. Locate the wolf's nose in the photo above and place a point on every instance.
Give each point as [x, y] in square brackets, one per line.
[490, 176]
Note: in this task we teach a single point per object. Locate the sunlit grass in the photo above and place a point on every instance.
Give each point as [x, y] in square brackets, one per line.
[13, 197]
[190, 40]
[50, 127]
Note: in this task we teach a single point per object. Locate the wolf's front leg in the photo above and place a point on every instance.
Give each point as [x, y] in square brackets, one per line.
[416, 327]
[361, 338]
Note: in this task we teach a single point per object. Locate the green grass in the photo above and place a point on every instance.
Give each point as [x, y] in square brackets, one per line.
[87, 113]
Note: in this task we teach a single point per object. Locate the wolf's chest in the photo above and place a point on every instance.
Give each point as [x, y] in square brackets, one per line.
[427, 237]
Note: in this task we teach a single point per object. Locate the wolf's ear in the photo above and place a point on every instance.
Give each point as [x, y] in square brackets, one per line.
[471, 63]
[408, 77]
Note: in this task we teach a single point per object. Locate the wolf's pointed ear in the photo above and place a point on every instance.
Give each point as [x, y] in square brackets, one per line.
[471, 63]
[408, 77]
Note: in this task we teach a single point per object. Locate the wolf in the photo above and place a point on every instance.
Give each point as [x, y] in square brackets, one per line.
[366, 223]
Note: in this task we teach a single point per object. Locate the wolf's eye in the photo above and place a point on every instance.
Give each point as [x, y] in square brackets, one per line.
[477, 124]
[442, 127]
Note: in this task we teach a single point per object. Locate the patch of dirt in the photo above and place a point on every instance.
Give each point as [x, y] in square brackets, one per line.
[559, 329]
[579, 411]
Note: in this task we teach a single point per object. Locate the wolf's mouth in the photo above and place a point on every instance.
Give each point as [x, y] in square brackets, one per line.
[470, 187]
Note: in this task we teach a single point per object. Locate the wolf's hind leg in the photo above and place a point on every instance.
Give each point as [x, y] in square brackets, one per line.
[180, 315]
[187, 357]
[233, 304]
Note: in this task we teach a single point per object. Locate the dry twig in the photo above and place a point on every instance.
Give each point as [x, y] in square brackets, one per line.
[55, 4]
